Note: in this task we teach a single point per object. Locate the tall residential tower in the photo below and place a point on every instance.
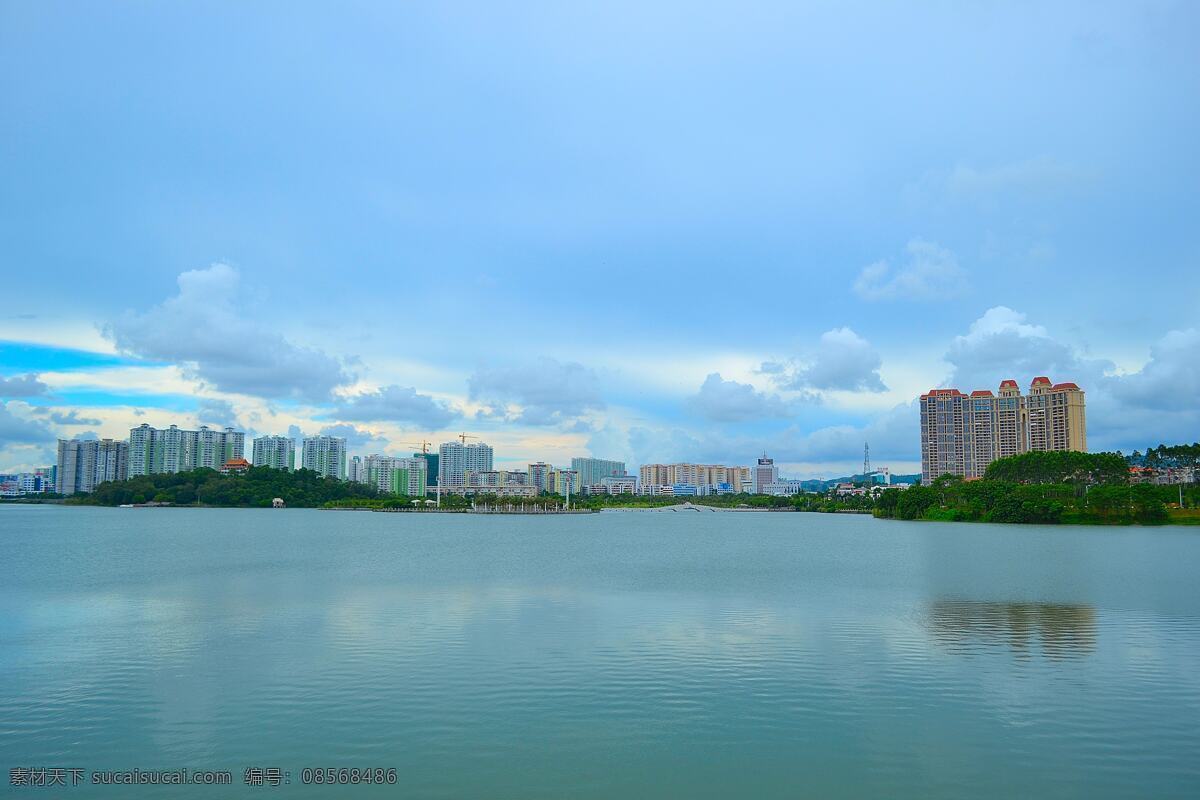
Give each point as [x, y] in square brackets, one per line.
[325, 455]
[84, 463]
[455, 460]
[276, 452]
[173, 449]
[962, 434]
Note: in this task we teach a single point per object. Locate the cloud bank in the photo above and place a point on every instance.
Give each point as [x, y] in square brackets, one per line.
[205, 330]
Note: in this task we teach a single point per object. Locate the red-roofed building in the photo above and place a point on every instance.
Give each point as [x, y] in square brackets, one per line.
[235, 465]
[962, 434]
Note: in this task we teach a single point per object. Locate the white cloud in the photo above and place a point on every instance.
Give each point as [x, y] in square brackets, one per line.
[22, 386]
[843, 361]
[893, 435]
[396, 404]
[720, 400]
[1041, 175]
[1170, 380]
[931, 273]
[1151, 405]
[546, 392]
[204, 331]
[72, 417]
[356, 438]
[1028, 180]
[19, 430]
[217, 413]
[1002, 344]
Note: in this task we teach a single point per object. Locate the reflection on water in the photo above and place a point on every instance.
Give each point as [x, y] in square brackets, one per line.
[1063, 630]
[600, 656]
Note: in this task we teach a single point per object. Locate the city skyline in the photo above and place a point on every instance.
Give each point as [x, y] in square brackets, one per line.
[751, 229]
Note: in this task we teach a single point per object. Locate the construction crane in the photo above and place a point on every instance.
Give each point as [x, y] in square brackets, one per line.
[421, 444]
[464, 436]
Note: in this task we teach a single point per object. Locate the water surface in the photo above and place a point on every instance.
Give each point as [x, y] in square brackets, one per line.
[610, 655]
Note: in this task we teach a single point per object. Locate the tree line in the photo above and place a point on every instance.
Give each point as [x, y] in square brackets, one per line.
[254, 488]
[1043, 487]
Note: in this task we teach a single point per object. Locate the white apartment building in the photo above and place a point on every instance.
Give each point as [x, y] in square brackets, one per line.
[390, 475]
[593, 470]
[158, 450]
[324, 455]
[85, 463]
[276, 452]
[455, 460]
[626, 484]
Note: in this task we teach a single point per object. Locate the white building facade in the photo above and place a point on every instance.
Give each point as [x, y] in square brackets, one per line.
[455, 460]
[165, 450]
[325, 455]
[276, 452]
[85, 463]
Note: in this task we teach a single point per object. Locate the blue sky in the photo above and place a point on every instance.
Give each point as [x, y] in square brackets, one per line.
[643, 231]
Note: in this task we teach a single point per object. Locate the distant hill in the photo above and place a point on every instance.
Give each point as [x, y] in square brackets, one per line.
[823, 485]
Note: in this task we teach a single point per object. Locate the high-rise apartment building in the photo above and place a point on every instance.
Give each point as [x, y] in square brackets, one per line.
[404, 476]
[593, 470]
[1054, 416]
[356, 470]
[173, 449]
[538, 473]
[455, 460]
[85, 463]
[276, 452]
[962, 434]
[324, 455]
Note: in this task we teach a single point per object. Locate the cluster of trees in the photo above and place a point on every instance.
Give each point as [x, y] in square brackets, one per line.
[1079, 469]
[1040, 488]
[254, 488]
[1175, 456]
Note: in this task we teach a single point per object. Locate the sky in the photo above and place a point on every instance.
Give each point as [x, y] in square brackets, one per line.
[645, 231]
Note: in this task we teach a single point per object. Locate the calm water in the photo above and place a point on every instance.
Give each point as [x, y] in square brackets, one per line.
[612, 655]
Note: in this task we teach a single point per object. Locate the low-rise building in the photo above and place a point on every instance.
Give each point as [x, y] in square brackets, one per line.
[626, 484]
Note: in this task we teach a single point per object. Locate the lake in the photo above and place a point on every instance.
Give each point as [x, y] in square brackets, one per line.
[608, 655]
